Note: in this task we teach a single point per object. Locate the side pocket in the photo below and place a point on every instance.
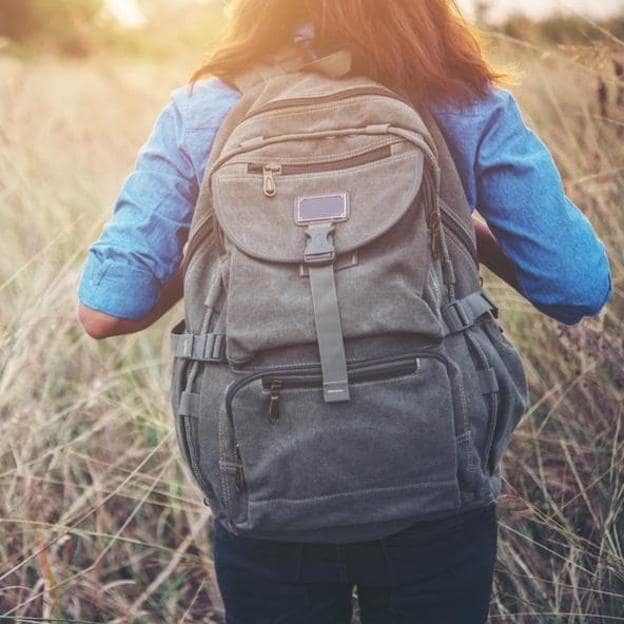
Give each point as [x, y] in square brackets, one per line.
[512, 393]
[469, 467]
[473, 430]
[388, 456]
[178, 380]
[189, 430]
[190, 425]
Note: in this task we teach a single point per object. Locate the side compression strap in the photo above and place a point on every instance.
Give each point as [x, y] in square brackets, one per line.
[461, 314]
[198, 347]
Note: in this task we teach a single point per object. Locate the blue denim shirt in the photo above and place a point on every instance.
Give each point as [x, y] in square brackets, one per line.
[507, 172]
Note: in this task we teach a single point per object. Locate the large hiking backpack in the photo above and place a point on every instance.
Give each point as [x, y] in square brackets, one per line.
[339, 374]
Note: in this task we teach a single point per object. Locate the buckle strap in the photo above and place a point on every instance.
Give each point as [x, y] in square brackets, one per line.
[463, 313]
[320, 256]
[199, 348]
[329, 334]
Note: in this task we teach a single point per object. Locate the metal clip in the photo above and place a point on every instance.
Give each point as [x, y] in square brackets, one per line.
[274, 401]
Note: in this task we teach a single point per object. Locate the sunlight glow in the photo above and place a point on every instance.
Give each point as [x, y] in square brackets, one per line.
[127, 12]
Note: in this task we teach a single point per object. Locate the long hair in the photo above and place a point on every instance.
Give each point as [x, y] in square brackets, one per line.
[423, 49]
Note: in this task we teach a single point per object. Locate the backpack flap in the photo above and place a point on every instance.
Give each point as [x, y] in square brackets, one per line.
[265, 228]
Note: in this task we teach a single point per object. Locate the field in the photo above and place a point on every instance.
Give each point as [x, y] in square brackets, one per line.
[98, 522]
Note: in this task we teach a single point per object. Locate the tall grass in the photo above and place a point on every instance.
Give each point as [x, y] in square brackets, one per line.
[98, 522]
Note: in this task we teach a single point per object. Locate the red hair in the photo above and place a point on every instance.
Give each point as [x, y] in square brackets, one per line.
[423, 49]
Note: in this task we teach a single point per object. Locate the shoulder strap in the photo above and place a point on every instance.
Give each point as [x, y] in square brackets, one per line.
[452, 192]
[451, 187]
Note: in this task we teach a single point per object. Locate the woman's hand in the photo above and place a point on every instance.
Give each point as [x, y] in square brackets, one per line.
[492, 256]
[100, 325]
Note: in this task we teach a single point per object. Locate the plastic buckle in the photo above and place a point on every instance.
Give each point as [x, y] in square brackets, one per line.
[187, 346]
[464, 321]
[320, 249]
[494, 311]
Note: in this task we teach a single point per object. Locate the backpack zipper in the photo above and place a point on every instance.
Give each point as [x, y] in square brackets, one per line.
[450, 222]
[239, 477]
[316, 381]
[323, 99]
[271, 170]
[301, 377]
[276, 388]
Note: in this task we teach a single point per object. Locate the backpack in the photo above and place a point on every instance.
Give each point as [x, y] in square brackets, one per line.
[340, 373]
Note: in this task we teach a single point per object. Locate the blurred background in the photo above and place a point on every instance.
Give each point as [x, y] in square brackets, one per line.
[98, 521]
[83, 27]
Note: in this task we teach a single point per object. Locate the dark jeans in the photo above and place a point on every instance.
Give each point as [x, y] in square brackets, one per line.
[435, 572]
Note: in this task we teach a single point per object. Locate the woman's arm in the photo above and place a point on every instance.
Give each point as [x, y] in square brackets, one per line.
[560, 264]
[130, 278]
[492, 255]
[100, 325]
[510, 178]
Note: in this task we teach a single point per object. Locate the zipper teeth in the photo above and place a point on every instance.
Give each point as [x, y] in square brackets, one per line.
[194, 244]
[312, 380]
[459, 232]
[379, 153]
[315, 368]
[321, 99]
[447, 217]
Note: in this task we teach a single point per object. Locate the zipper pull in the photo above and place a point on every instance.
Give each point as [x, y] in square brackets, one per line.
[239, 479]
[435, 232]
[270, 171]
[274, 412]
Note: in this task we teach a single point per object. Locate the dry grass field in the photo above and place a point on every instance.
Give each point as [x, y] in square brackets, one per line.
[98, 522]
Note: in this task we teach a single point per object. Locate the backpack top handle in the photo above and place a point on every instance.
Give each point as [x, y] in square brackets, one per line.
[291, 60]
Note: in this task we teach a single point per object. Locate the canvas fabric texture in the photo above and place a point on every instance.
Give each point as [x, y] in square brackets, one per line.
[339, 374]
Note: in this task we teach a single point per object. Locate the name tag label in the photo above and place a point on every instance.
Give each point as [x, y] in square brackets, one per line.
[333, 208]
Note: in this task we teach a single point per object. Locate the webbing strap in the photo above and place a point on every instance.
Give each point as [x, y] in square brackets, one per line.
[329, 333]
[199, 347]
[189, 404]
[320, 257]
[461, 314]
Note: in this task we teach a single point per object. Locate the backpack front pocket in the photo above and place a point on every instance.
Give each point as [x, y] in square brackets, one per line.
[390, 455]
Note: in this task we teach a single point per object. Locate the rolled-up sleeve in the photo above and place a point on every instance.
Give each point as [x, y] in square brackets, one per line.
[141, 245]
[561, 264]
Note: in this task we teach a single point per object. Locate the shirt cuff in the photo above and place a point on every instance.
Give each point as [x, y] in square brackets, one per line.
[572, 315]
[117, 289]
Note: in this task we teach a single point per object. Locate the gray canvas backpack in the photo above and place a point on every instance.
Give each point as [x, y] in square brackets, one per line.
[340, 373]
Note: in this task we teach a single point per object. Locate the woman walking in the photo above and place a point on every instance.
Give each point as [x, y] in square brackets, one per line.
[432, 569]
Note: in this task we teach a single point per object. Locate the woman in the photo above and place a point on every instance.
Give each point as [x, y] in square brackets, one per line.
[435, 571]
